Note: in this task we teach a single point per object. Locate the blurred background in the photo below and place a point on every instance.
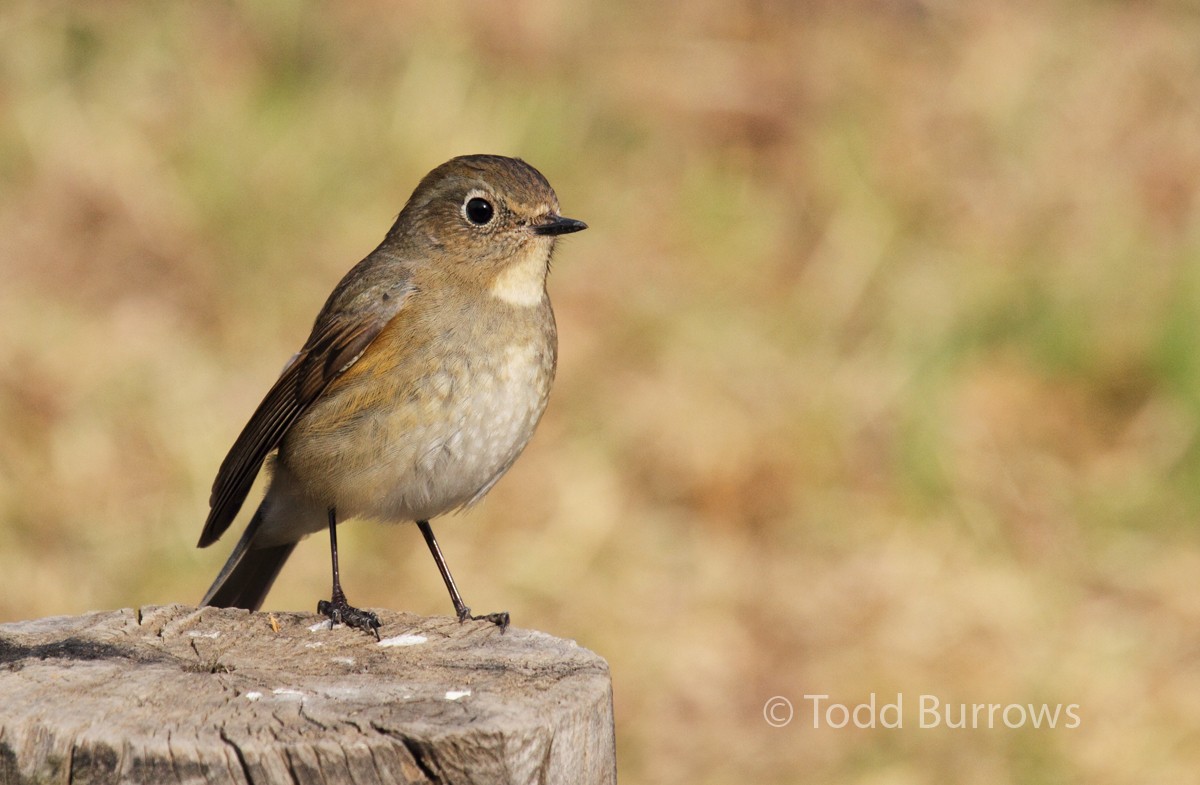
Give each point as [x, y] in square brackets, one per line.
[878, 373]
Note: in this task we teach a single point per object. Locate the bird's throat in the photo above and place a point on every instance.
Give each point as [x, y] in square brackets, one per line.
[523, 282]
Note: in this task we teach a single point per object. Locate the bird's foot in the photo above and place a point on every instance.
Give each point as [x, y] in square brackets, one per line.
[499, 619]
[338, 610]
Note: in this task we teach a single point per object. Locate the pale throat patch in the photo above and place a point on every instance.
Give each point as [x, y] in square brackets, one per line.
[523, 283]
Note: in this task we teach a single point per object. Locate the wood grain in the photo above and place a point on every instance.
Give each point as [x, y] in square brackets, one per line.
[175, 694]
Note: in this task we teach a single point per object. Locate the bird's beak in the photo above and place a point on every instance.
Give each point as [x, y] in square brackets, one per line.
[556, 225]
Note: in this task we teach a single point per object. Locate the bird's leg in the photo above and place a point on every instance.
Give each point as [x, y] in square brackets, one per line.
[336, 608]
[460, 607]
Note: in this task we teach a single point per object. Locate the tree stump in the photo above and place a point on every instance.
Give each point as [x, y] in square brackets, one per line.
[175, 694]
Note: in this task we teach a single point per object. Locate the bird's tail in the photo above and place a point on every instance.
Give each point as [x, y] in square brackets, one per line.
[247, 577]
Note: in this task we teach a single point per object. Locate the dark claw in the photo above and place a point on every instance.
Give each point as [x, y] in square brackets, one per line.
[340, 611]
[499, 619]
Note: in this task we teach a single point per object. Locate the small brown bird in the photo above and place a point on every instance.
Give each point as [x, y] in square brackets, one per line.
[422, 381]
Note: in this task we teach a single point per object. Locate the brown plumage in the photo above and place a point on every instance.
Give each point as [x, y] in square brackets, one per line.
[424, 377]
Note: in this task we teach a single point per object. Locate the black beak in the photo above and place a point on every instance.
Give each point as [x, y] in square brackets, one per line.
[556, 225]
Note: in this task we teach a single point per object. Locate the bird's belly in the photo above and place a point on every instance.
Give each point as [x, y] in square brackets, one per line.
[433, 448]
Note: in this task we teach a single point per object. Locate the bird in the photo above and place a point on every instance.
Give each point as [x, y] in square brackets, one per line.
[423, 379]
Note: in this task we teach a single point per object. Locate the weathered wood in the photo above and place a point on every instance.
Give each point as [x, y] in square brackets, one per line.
[173, 694]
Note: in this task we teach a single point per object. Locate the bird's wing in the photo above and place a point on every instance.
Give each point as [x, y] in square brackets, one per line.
[337, 341]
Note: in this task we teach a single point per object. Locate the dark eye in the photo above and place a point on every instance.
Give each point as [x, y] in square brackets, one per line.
[479, 210]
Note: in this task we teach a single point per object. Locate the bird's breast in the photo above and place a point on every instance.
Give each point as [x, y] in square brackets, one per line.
[430, 432]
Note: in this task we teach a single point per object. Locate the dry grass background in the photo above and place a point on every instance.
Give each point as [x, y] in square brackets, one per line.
[879, 371]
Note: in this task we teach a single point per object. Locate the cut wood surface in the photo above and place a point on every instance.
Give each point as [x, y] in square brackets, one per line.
[175, 694]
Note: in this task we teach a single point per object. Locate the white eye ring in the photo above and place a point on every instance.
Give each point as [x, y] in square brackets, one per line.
[478, 208]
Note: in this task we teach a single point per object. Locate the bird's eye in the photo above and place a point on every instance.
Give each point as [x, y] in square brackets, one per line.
[479, 210]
